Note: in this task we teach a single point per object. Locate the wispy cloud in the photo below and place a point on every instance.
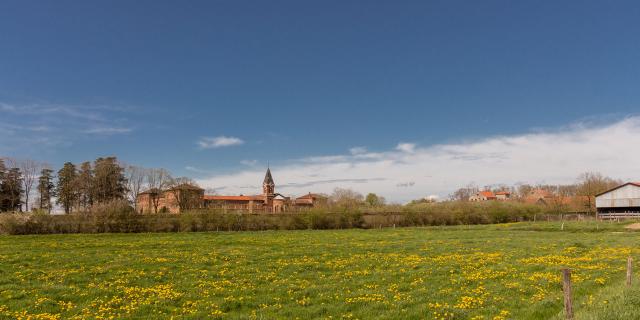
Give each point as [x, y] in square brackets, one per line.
[219, 142]
[409, 171]
[250, 163]
[33, 126]
[108, 130]
[197, 170]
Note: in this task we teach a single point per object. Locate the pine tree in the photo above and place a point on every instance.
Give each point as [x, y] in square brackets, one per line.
[109, 182]
[66, 189]
[46, 189]
[12, 191]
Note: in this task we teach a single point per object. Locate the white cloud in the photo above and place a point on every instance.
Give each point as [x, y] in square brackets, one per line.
[250, 163]
[406, 147]
[411, 172]
[197, 170]
[108, 130]
[358, 150]
[219, 142]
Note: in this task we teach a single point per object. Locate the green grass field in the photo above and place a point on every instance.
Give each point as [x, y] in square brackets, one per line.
[508, 271]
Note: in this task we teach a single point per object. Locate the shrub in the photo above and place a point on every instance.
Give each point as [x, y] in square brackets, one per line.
[119, 216]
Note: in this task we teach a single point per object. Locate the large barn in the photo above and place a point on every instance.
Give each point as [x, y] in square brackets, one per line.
[623, 200]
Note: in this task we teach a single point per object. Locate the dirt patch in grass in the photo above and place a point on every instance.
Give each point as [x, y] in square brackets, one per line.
[634, 226]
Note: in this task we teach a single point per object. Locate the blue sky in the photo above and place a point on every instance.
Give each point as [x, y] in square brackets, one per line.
[216, 89]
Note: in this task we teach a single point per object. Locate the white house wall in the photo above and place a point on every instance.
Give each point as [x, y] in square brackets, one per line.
[627, 196]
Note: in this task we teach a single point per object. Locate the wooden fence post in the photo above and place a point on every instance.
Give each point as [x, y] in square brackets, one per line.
[629, 270]
[566, 288]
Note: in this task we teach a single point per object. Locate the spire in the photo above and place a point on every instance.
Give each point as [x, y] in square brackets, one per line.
[268, 179]
[268, 186]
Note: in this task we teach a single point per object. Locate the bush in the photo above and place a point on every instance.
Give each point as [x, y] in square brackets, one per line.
[119, 216]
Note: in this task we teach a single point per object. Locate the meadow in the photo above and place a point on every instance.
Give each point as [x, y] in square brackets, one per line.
[502, 271]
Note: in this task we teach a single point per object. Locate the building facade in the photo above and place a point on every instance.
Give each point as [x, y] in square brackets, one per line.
[503, 195]
[172, 200]
[176, 200]
[482, 196]
[621, 200]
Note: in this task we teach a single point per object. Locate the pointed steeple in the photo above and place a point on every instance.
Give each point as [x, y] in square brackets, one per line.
[268, 179]
[268, 185]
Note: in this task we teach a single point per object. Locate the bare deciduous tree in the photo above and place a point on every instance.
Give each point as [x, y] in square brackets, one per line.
[84, 186]
[186, 192]
[592, 183]
[463, 194]
[157, 180]
[346, 198]
[135, 180]
[29, 169]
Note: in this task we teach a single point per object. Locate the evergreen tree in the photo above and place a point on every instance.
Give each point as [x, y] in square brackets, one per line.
[46, 189]
[12, 191]
[109, 182]
[66, 189]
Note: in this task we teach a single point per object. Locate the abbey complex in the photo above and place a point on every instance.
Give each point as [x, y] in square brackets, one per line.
[179, 198]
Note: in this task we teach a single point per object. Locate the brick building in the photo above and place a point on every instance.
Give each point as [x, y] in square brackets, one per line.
[172, 200]
[184, 197]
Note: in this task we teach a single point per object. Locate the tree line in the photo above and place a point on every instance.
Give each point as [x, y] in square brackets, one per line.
[587, 185]
[76, 188]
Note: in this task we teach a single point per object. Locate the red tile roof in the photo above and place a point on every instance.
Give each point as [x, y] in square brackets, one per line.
[232, 198]
[487, 194]
[311, 196]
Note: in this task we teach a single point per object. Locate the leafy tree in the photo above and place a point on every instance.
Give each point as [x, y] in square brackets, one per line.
[46, 189]
[373, 200]
[429, 199]
[66, 189]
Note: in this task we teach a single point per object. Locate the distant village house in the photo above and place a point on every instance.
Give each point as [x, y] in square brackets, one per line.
[482, 196]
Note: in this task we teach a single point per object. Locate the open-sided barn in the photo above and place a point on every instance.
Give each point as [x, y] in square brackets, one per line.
[621, 201]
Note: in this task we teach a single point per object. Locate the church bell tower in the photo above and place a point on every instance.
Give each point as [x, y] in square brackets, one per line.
[268, 186]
